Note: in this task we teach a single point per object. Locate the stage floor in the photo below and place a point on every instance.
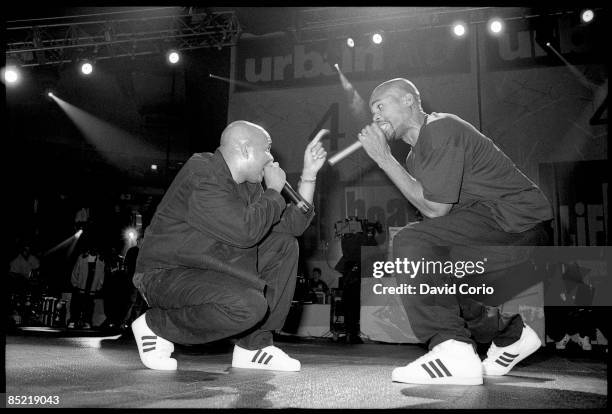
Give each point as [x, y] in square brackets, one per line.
[95, 371]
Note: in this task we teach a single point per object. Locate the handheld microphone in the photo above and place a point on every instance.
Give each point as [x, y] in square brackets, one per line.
[296, 198]
[345, 153]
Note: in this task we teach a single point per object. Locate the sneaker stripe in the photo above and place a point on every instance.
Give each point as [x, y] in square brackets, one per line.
[263, 356]
[435, 368]
[256, 355]
[506, 354]
[431, 374]
[501, 363]
[443, 368]
[149, 344]
[268, 359]
[508, 360]
[145, 337]
[148, 349]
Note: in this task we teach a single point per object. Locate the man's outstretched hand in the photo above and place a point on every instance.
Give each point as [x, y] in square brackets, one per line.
[314, 156]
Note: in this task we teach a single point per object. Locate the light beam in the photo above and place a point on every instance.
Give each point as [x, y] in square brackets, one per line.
[112, 142]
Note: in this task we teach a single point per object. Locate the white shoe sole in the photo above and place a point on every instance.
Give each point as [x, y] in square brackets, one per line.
[164, 365]
[250, 365]
[441, 381]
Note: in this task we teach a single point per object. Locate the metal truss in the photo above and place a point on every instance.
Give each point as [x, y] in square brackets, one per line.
[107, 36]
[316, 24]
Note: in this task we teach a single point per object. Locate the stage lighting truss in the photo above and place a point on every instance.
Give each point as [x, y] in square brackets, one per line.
[33, 44]
[319, 24]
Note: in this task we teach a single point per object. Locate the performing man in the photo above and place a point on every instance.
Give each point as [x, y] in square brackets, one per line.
[475, 201]
[220, 256]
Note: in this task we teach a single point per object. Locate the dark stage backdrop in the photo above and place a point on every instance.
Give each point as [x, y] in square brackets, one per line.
[135, 112]
[579, 195]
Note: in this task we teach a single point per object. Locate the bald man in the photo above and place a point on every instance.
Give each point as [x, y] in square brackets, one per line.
[219, 258]
[474, 200]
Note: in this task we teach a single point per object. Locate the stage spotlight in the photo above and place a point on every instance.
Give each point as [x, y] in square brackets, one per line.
[350, 42]
[495, 26]
[587, 16]
[11, 75]
[86, 67]
[459, 29]
[49, 94]
[377, 38]
[153, 167]
[78, 233]
[130, 234]
[173, 57]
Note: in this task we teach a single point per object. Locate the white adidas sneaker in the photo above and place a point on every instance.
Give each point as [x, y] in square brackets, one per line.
[154, 350]
[500, 360]
[450, 362]
[268, 358]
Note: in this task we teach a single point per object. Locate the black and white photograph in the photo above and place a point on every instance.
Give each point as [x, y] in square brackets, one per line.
[307, 207]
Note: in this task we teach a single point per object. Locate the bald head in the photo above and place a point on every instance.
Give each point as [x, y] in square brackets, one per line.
[241, 132]
[245, 146]
[398, 87]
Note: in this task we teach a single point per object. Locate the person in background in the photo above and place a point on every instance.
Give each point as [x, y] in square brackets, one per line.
[316, 284]
[136, 303]
[81, 218]
[21, 283]
[23, 267]
[87, 280]
[116, 291]
[570, 315]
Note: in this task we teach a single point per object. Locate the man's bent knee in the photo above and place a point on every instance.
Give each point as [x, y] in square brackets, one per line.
[407, 239]
[254, 308]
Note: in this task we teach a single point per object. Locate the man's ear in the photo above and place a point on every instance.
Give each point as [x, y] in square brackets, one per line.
[245, 150]
[408, 99]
